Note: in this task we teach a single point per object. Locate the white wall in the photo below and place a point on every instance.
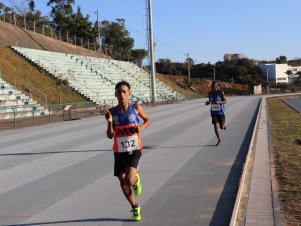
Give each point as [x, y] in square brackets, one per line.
[281, 76]
[257, 90]
[275, 73]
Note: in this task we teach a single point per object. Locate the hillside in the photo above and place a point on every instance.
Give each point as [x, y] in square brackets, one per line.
[200, 86]
[11, 35]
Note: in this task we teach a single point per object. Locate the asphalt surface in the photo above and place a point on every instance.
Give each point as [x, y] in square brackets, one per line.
[294, 103]
[62, 174]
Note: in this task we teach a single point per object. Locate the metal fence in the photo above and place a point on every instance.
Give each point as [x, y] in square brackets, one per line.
[67, 112]
[53, 113]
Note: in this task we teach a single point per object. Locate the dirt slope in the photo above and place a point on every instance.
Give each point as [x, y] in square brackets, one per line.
[201, 86]
[11, 35]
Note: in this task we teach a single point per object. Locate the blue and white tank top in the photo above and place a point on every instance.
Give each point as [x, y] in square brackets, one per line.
[126, 138]
[217, 109]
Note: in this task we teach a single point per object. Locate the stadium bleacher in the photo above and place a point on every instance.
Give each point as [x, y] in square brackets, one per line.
[95, 78]
[15, 104]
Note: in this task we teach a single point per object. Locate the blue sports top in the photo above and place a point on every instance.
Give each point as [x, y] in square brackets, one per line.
[217, 109]
[128, 118]
[126, 136]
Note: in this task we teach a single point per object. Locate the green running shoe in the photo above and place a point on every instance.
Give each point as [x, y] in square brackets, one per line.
[136, 214]
[137, 187]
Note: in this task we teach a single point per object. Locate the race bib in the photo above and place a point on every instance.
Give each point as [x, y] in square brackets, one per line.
[127, 144]
[215, 107]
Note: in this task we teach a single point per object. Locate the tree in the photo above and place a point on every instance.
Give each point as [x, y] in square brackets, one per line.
[164, 66]
[289, 72]
[61, 13]
[281, 60]
[20, 7]
[138, 56]
[31, 5]
[164, 61]
[190, 60]
[115, 36]
[81, 26]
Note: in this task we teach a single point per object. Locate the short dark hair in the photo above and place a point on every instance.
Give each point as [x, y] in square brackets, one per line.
[123, 83]
[214, 82]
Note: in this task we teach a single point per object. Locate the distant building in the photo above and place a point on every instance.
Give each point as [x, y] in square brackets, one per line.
[234, 56]
[294, 78]
[278, 73]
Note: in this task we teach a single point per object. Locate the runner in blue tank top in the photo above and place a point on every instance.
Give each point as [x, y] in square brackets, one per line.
[217, 99]
[124, 127]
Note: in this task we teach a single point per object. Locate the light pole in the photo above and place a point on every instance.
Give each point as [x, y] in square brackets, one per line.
[214, 72]
[151, 51]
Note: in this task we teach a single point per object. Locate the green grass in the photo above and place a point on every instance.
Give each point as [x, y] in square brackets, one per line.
[285, 125]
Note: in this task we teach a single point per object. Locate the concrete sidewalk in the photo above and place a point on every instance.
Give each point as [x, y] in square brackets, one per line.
[260, 209]
[262, 206]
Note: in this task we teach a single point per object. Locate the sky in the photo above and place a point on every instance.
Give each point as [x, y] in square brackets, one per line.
[205, 29]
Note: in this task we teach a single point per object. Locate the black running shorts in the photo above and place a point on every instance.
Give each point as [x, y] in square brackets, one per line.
[220, 119]
[125, 160]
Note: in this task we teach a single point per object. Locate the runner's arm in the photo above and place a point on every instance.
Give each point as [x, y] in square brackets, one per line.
[208, 101]
[224, 100]
[146, 120]
[110, 132]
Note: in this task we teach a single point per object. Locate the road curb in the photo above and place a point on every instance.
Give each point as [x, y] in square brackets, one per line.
[237, 205]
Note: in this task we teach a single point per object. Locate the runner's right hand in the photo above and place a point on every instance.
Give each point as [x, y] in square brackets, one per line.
[109, 116]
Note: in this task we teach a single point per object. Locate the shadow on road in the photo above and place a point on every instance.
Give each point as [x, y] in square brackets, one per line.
[177, 147]
[75, 221]
[51, 152]
[225, 204]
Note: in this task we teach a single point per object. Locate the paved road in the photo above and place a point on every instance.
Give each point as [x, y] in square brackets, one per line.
[62, 174]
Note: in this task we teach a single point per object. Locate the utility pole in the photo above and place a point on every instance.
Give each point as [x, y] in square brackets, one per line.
[268, 81]
[214, 72]
[188, 66]
[98, 30]
[151, 51]
[24, 22]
